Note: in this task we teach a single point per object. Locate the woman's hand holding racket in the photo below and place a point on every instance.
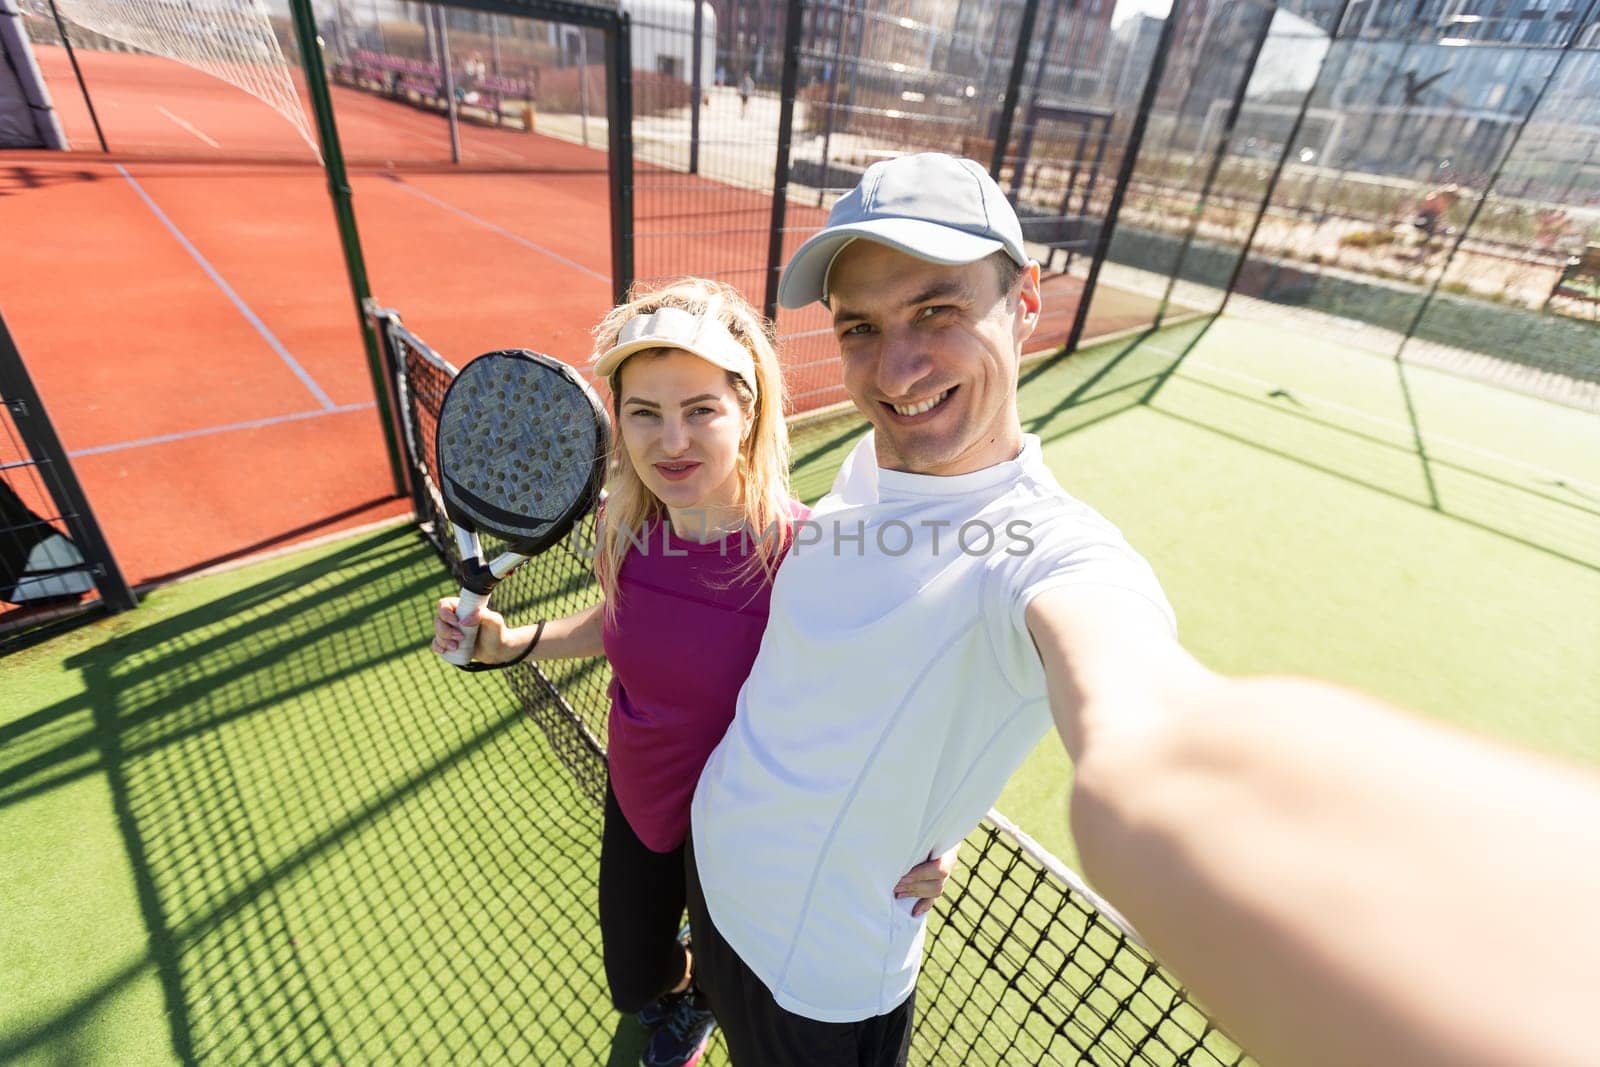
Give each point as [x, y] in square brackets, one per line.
[491, 645]
[522, 443]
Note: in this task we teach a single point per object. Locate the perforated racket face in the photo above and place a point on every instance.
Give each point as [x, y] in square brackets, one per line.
[521, 443]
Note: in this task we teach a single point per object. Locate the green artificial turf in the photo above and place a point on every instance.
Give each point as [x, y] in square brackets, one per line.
[1277, 485]
[253, 822]
[256, 821]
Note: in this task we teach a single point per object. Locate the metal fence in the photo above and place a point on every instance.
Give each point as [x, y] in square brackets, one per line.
[1427, 177]
[1421, 179]
[1424, 182]
[801, 98]
[54, 560]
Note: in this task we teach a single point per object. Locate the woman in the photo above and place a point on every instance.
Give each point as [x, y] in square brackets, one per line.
[696, 521]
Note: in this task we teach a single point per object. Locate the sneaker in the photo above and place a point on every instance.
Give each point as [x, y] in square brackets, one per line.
[682, 1038]
[653, 1015]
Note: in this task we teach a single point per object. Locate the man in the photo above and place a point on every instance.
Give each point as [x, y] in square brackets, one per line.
[1434, 207]
[949, 600]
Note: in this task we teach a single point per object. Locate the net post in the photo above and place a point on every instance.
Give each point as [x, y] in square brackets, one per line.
[39, 437]
[1130, 155]
[1019, 62]
[305, 28]
[619, 134]
[72, 57]
[383, 322]
[793, 28]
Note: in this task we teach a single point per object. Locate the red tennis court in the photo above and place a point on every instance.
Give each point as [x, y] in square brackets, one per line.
[189, 323]
[184, 309]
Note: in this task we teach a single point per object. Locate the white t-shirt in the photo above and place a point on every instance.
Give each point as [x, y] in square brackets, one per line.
[896, 690]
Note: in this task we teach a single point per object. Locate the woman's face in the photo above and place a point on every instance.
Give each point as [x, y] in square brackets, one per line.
[682, 426]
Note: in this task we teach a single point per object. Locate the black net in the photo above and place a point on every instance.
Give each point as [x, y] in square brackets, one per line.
[1024, 965]
[566, 698]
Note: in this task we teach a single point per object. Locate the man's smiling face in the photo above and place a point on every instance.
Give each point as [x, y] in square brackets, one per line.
[930, 355]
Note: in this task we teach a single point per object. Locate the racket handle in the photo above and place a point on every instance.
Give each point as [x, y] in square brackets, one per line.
[469, 604]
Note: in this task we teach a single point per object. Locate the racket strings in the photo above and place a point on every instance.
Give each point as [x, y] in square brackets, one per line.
[518, 445]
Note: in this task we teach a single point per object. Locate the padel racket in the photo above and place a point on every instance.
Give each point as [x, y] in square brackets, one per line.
[522, 443]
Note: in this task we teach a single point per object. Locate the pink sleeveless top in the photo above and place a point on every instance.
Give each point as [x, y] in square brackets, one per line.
[687, 628]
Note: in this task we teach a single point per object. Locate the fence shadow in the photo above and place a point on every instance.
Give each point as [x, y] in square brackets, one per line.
[342, 851]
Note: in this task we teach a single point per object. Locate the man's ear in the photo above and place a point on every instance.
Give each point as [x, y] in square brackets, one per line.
[1030, 301]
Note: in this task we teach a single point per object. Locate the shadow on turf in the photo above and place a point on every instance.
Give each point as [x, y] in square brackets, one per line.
[340, 851]
[1141, 371]
[1114, 378]
[1527, 513]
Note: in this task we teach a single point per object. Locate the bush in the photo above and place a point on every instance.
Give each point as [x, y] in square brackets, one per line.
[1367, 239]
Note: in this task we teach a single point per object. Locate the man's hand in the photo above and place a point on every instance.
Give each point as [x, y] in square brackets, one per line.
[926, 881]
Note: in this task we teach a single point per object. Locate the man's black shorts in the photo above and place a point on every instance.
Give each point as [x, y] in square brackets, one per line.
[760, 1033]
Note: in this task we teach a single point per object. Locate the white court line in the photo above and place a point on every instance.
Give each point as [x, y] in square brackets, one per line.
[238, 302]
[503, 232]
[198, 133]
[253, 424]
[502, 151]
[1379, 420]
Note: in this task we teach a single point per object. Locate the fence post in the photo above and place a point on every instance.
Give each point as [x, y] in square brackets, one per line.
[1130, 155]
[837, 67]
[1283, 159]
[72, 57]
[1019, 62]
[699, 89]
[305, 28]
[452, 112]
[39, 438]
[1229, 122]
[1025, 149]
[619, 135]
[780, 177]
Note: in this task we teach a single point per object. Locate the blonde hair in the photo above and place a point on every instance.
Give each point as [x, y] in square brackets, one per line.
[763, 464]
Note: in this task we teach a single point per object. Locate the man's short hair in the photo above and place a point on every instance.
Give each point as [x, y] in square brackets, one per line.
[1007, 270]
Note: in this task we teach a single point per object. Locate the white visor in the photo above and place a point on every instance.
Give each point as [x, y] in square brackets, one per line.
[671, 327]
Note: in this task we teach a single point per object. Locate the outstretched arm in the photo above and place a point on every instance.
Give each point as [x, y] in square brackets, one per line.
[573, 636]
[1339, 881]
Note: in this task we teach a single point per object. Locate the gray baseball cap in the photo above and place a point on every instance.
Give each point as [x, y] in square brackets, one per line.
[932, 206]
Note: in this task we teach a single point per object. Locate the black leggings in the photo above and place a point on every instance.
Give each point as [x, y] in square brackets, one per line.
[641, 912]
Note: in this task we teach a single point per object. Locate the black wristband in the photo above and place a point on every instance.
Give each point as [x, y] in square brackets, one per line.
[538, 632]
